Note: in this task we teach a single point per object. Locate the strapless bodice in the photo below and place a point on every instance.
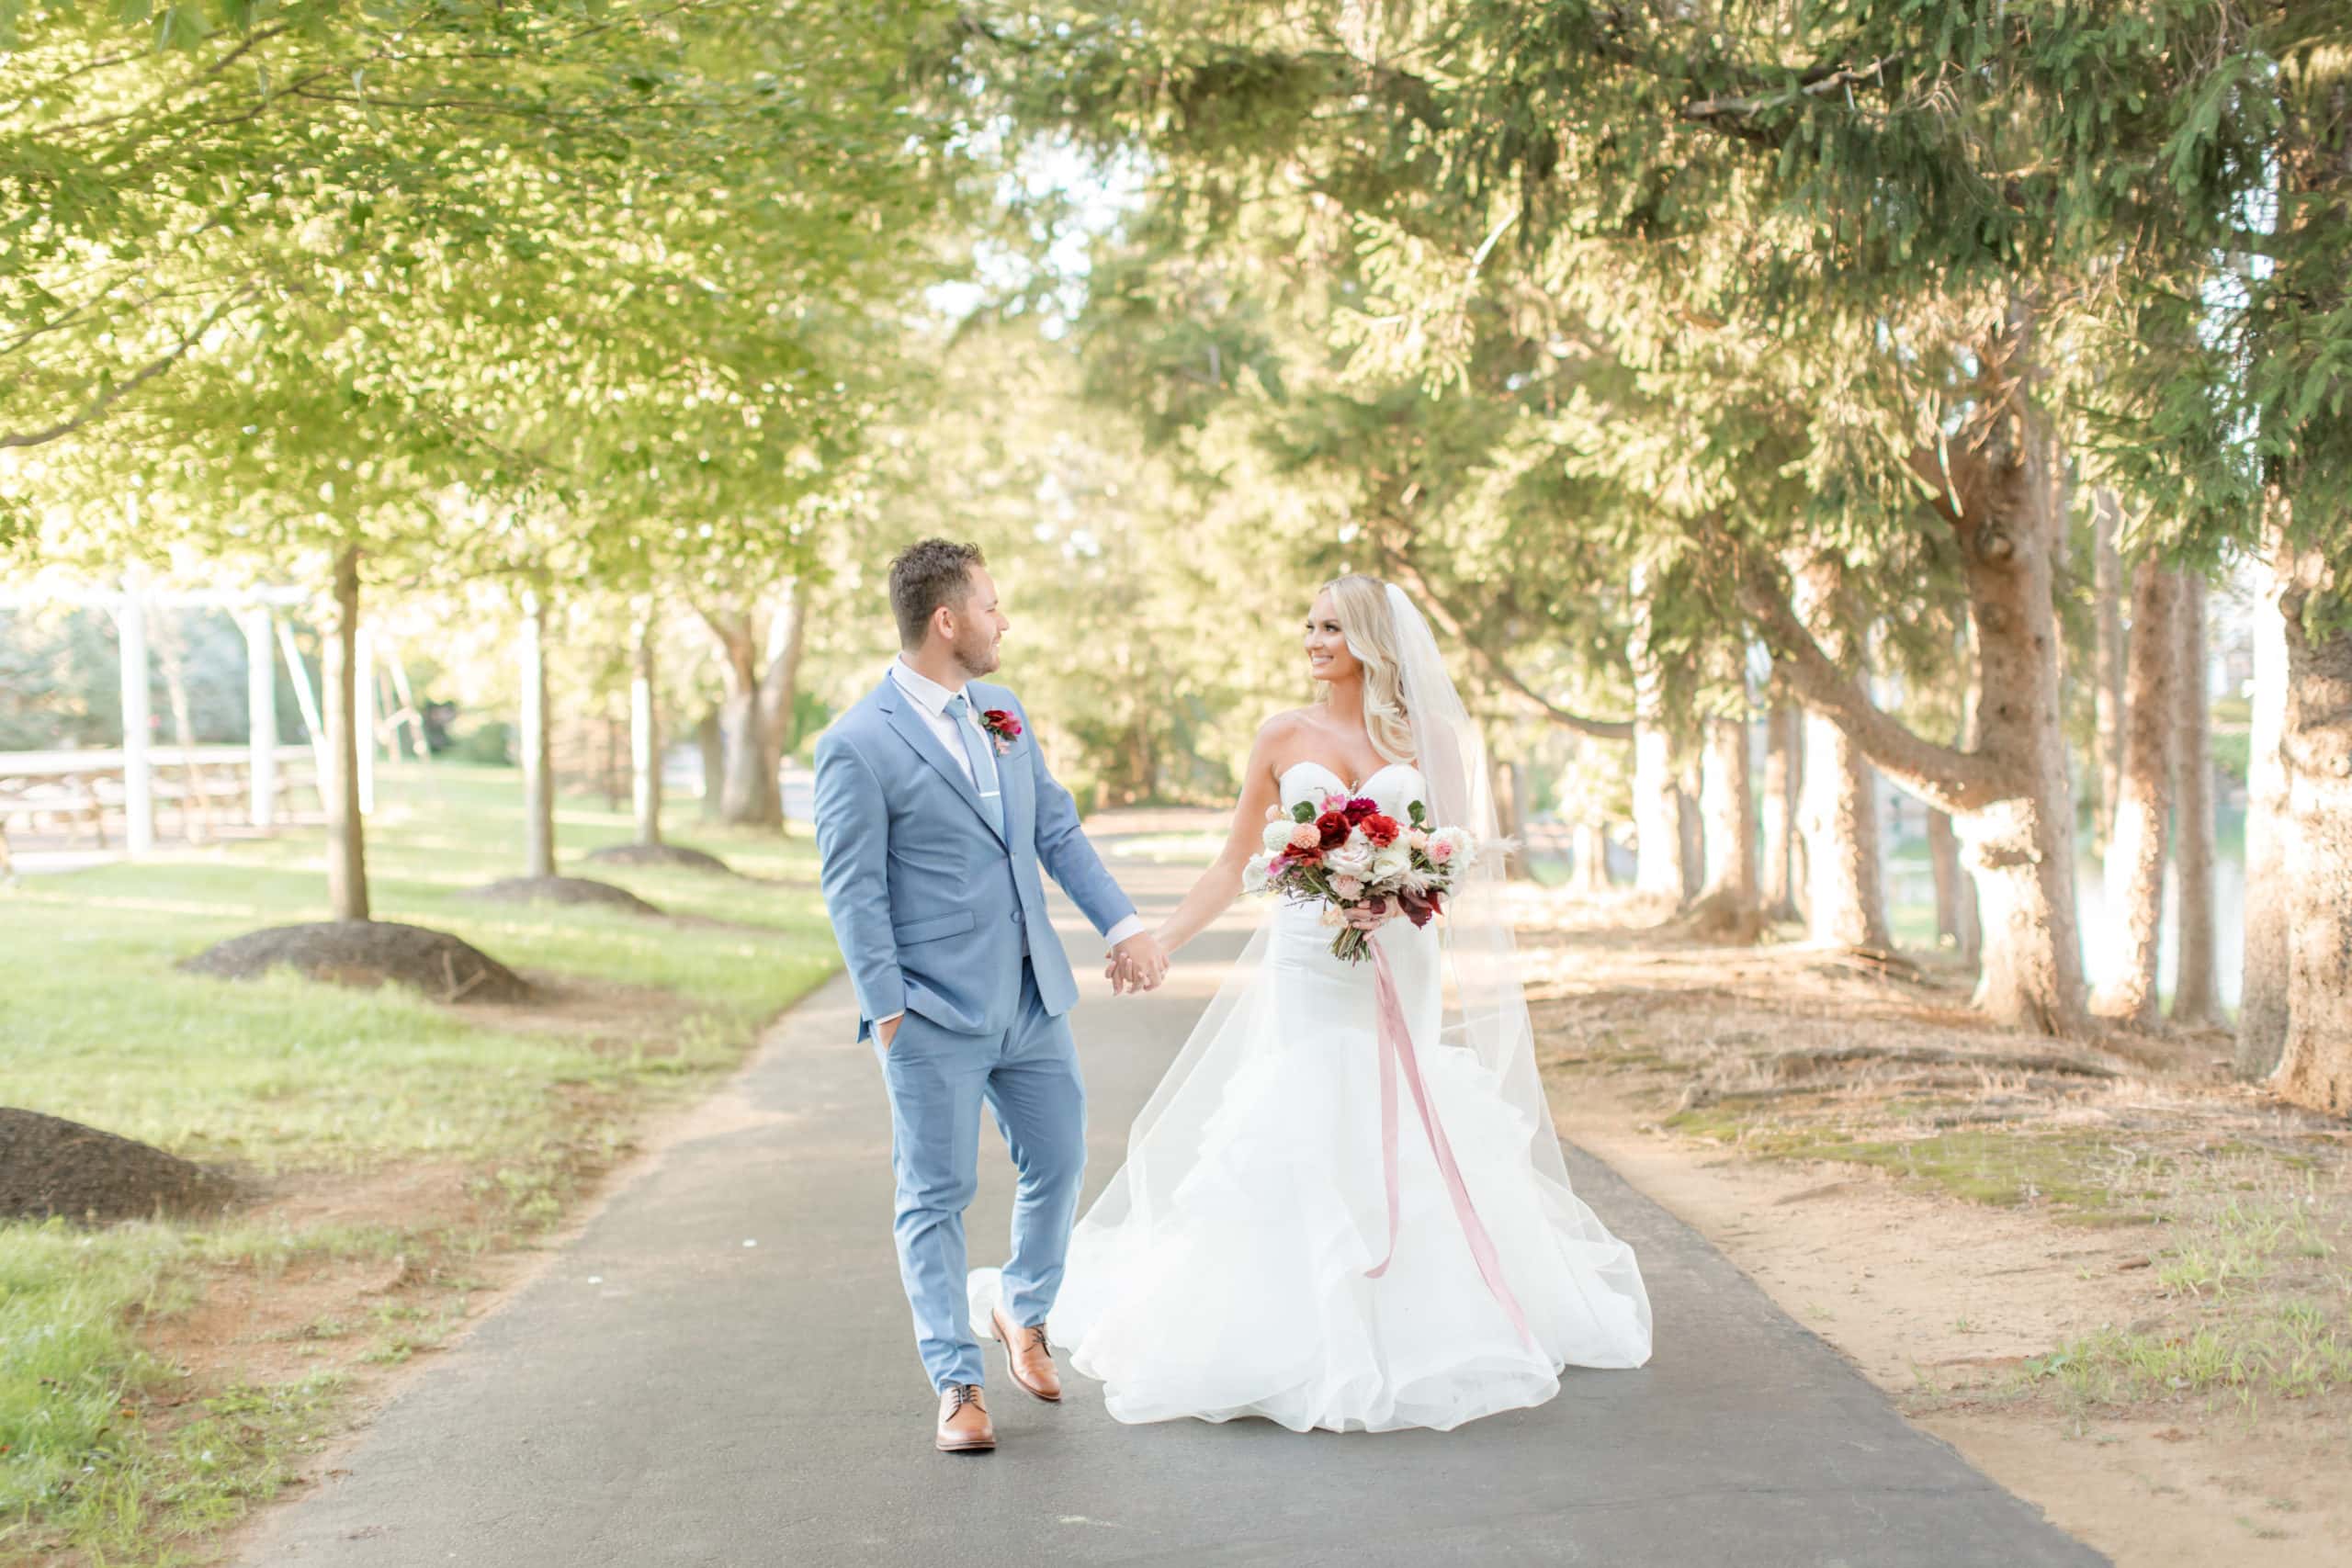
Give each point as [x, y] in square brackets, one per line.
[1395, 785]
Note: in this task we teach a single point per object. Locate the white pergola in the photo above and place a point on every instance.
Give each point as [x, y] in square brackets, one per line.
[267, 637]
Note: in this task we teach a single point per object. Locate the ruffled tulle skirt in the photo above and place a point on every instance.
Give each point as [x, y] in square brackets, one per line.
[1239, 1284]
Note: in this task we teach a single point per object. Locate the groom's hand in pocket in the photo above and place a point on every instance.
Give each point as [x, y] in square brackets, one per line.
[887, 1030]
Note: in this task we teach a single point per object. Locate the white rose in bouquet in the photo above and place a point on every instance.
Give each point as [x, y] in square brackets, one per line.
[1392, 862]
[1353, 857]
[1253, 875]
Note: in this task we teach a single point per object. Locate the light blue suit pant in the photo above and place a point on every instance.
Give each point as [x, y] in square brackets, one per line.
[938, 1080]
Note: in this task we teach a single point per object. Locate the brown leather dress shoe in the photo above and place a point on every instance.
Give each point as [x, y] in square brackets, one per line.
[1032, 1363]
[964, 1424]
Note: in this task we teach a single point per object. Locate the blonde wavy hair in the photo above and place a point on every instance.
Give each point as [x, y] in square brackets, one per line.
[1362, 604]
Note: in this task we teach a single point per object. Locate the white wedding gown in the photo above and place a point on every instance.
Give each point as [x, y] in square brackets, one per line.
[1223, 1273]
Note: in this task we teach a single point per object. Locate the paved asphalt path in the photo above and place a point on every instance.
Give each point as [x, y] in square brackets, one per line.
[666, 1394]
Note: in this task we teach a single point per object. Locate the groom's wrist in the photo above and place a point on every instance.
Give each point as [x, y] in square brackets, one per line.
[1131, 926]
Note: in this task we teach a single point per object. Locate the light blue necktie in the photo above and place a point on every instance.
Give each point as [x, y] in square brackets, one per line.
[981, 750]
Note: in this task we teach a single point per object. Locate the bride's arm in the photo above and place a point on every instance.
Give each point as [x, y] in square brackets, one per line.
[1220, 885]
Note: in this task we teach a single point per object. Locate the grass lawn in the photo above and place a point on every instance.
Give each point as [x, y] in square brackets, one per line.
[106, 1444]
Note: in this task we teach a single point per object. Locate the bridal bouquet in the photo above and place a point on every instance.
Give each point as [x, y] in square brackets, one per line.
[1347, 854]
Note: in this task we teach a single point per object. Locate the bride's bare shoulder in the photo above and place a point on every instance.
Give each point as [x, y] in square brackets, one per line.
[1284, 728]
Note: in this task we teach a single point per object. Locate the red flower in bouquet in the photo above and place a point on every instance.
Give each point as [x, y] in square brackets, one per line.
[1296, 856]
[1381, 829]
[1333, 826]
[1360, 808]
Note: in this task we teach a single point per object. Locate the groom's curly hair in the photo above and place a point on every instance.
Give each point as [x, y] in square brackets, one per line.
[925, 575]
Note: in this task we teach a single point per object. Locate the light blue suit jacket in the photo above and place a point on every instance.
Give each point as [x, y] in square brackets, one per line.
[929, 904]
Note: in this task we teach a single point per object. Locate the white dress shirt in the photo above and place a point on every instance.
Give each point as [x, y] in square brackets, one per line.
[931, 700]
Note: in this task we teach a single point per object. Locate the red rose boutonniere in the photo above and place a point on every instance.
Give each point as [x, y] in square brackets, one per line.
[1002, 727]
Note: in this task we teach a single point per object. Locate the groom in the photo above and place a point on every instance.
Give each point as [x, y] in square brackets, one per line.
[934, 811]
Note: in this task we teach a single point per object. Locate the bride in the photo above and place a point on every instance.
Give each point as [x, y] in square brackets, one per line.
[1267, 1250]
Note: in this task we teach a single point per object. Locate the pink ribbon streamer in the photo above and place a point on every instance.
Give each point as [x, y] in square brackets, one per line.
[1395, 1049]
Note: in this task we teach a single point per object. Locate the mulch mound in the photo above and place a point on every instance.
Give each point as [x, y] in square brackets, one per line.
[561, 890]
[366, 953]
[53, 1166]
[676, 855]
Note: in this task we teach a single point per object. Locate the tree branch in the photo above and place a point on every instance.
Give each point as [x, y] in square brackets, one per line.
[1735, 116]
[1945, 777]
[1942, 497]
[111, 395]
[1458, 629]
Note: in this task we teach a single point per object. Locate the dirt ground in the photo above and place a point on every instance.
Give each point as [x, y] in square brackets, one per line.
[349, 1282]
[2114, 1279]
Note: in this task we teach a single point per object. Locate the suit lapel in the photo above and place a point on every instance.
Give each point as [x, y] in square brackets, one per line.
[1011, 782]
[901, 710]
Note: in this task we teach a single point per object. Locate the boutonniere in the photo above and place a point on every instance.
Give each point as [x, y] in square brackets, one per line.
[1002, 727]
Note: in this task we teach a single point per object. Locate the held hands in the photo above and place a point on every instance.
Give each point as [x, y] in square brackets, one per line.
[1138, 963]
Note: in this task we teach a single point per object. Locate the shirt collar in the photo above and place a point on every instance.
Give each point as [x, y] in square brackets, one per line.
[934, 696]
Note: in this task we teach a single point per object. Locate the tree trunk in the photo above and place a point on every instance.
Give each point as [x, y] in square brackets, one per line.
[2314, 841]
[1845, 894]
[1955, 892]
[1783, 730]
[2011, 796]
[1967, 928]
[538, 745]
[1729, 904]
[2196, 991]
[780, 684]
[1692, 825]
[610, 772]
[1658, 814]
[1523, 809]
[757, 715]
[2262, 993]
[748, 794]
[2020, 847]
[346, 838]
[1845, 891]
[645, 741]
[1956, 919]
[1591, 869]
[712, 744]
[1503, 779]
[2315, 1061]
[2106, 521]
[2135, 859]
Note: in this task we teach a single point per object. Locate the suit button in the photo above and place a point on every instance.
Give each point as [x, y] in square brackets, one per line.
[1016, 917]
